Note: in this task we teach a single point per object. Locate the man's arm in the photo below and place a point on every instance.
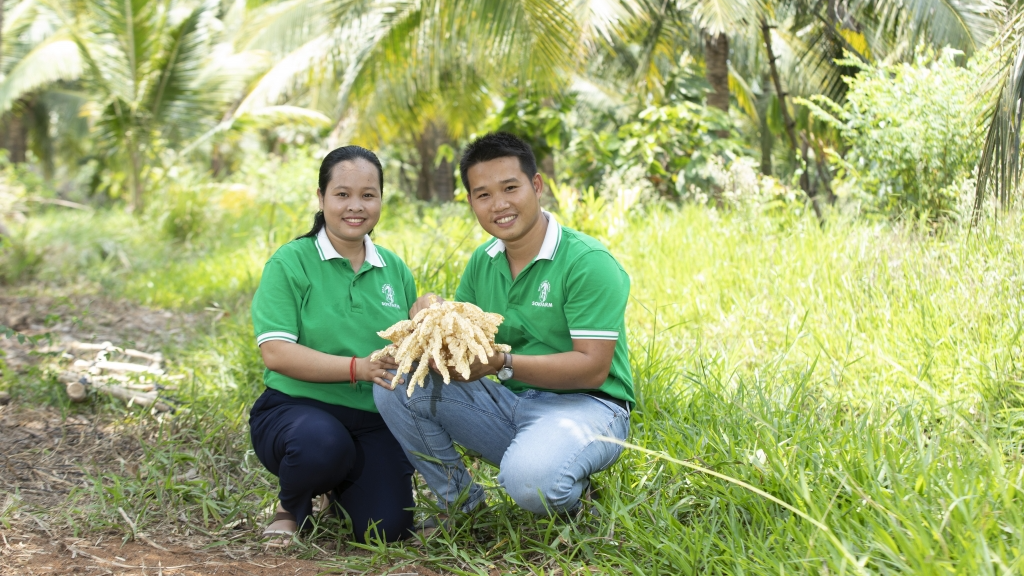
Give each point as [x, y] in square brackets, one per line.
[585, 368]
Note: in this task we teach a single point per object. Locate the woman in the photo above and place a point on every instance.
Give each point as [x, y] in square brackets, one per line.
[322, 298]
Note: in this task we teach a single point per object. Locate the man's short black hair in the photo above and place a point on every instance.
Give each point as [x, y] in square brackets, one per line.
[497, 145]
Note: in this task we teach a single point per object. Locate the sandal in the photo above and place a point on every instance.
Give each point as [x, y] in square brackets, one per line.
[284, 525]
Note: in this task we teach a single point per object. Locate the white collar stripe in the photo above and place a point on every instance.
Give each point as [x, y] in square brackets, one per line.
[372, 255]
[552, 238]
[319, 250]
[495, 248]
[327, 251]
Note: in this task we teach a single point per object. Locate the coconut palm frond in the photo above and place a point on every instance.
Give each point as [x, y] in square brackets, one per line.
[179, 66]
[745, 97]
[56, 59]
[283, 77]
[295, 115]
[724, 16]
[551, 36]
[816, 53]
[384, 58]
[999, 170]
[961, 24]
[123, 36]
[603, 20]
[283, 27]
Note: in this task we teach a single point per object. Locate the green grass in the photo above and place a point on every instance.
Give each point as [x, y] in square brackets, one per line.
[866, 375]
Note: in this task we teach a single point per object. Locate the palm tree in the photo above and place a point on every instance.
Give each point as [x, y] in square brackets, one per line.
[420, 72]
[37, 58]
[148, 77]
[999, 171]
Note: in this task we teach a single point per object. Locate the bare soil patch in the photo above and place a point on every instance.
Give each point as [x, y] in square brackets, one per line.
[45, 454]
[90, 318]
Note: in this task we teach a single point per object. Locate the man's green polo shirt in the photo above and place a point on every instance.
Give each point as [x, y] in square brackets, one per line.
[573, 290]
[310, 295]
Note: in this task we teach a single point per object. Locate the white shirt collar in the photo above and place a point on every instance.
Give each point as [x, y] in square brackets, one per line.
[552, 237]
[327, 251]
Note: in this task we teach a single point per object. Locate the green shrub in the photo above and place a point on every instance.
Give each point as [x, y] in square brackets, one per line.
[909, 134]
[19, 259]
[670, 143]
[184, 211]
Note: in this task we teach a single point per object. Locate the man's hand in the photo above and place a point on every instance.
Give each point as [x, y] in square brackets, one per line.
[423, 302]
[477, 369]
[377, 371]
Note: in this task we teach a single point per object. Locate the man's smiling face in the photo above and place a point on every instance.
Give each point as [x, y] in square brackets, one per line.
[505, 200]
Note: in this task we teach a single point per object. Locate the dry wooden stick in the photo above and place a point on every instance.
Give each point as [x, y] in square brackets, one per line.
[77, 392]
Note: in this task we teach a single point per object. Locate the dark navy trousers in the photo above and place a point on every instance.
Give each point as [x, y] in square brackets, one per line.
[315, 448]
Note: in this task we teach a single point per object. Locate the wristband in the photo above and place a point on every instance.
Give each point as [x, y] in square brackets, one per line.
[352, 371]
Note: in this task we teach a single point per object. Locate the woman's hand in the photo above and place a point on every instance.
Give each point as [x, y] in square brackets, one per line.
[423, 302]
[377, 371]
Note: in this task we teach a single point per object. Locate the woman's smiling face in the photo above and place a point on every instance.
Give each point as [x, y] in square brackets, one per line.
[351, 203]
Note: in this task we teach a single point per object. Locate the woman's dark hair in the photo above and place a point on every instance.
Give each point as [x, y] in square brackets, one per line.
[327, 167]
[497, 145]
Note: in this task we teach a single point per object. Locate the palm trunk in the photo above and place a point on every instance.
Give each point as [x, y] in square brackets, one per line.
[434, 182]
[716, 66]
[427, 149]
[790, 124]
[136, 173]
[767, 141]
[15, 137]
[444, 181]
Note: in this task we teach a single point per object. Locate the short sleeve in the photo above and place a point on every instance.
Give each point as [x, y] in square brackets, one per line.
[277, 302]
[410, 284]
[597, 291]
[466, 292]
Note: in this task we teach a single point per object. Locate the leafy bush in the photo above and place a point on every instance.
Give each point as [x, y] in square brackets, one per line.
[910, 135]
[185, 211]
[19, 259]
[670, 143]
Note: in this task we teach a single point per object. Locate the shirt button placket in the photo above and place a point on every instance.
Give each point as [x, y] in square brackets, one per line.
[353, 305]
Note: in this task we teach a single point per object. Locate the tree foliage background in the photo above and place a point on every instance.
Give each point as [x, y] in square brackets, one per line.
[112, 101]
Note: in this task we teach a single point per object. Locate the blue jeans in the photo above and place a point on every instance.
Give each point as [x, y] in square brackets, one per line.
[544, 444]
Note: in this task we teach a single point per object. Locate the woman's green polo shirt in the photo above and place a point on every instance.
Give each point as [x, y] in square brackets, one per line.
[573, 290]
[309, 294]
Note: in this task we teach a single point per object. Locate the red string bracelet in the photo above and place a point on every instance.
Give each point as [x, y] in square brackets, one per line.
[352, 371]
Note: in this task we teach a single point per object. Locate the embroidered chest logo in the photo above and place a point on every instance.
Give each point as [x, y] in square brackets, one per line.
[389, 295]
[542, 292]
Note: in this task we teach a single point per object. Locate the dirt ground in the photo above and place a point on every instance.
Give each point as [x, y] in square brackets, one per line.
[44, 456]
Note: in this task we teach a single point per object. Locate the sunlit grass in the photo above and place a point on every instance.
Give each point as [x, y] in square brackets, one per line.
[867, 376]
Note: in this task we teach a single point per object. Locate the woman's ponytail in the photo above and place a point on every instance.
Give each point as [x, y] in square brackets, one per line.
[318, 224]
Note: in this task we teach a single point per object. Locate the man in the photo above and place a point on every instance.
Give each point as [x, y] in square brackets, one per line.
[566, 382]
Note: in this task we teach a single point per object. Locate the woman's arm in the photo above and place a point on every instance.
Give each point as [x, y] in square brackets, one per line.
[303, 363]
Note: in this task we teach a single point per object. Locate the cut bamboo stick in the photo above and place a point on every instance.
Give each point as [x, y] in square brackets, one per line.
[132, 397]
[78, 392]
[126, 367]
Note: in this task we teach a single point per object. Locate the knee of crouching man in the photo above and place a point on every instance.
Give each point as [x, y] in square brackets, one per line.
[389, 400]
[543, 496]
